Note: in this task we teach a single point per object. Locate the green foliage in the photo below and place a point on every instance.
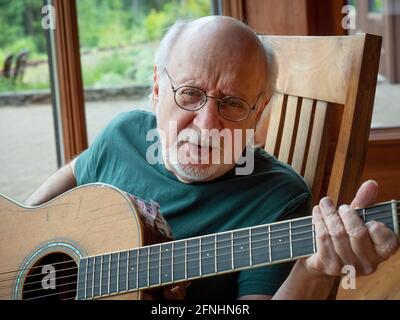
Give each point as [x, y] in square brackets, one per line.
[132, 27]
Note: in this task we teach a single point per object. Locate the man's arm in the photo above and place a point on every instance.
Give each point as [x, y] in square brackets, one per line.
[341, 239]
[59, 182]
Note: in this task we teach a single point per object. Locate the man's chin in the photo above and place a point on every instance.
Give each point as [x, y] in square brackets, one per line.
[190, 173]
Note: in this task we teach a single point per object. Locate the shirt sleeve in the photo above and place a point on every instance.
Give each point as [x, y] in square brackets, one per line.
[89, 163]
[267, 280]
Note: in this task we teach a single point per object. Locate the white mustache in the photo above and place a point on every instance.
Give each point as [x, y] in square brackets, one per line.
[195, 137]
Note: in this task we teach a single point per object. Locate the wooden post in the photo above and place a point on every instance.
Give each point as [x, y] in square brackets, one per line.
[70, 83]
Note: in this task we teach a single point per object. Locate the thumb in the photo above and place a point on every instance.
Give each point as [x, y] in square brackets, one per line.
[175, 292]
[366, 195]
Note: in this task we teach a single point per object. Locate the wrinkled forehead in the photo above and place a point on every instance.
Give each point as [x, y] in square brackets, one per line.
[215, 50]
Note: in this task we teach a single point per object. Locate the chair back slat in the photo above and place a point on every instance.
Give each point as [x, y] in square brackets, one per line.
[322, 80]
[303, 137]
[295, 135]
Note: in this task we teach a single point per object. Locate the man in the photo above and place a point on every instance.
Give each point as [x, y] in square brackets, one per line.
[213, 75]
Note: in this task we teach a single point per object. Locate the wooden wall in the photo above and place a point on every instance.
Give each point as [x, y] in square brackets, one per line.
[316, 17]
[288, 17]
[383, 162]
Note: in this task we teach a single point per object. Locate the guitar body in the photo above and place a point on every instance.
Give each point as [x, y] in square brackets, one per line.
[41, 248]
[88, 220]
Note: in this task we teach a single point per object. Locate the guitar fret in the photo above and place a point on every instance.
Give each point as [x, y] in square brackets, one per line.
[251, 256]
[302, 239]
[313, 238]
[208, 254]
[143, 268]
[193, 249]
[186, 273]
[269, 244]
[137, 269]
[90, 277]
[81, 279]
[86, 277]
[280, 241]
[290, 239]
[241, 253]
[166, 263]
[96, 276]
[200, 271]
[114, 273]
[109, 275]
[122, 274]
[159, 265]
[395, 217]
[104, 274]
[172, 262]
[363, 213]
[93, 277]
[101, 272]
[233, 263]
[127, 270]
[178, 261]
[215, 255]
[224, 252]
[118, 258]
[148, 266]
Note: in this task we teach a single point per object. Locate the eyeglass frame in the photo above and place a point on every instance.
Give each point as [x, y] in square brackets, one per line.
[250, 108]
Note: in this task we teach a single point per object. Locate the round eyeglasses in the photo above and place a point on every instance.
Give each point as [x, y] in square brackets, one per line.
[192, 99]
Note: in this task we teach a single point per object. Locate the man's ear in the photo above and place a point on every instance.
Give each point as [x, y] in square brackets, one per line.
[261, 110]
[155, 83]
[156, 89]
[262, 123]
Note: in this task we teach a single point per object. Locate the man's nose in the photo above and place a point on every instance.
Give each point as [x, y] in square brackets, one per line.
[208, 116]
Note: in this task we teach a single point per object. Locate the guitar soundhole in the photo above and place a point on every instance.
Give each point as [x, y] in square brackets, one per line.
[53, 277]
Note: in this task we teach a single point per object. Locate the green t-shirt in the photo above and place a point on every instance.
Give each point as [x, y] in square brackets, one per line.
[272, 192]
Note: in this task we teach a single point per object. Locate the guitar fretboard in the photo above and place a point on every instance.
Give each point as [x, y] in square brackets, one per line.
[193, 258]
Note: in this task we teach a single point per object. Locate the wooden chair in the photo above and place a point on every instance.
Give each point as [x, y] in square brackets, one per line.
[318, 122]
[319, 119]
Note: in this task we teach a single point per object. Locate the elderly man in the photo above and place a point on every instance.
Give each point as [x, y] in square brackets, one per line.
[214, 75]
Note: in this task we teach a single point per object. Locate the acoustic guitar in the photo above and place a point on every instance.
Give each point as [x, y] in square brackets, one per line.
[98, 242]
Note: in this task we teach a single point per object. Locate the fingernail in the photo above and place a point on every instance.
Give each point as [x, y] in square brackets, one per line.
[344, 207]
[174, 289]
[326, 203]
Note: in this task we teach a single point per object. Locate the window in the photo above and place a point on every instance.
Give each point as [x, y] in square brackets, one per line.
[27, 139]
[118, 41]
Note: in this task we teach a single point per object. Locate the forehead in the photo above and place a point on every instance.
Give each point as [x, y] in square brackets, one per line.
[212, 61]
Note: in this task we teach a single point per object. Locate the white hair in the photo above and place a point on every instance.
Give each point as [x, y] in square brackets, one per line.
[174, 32]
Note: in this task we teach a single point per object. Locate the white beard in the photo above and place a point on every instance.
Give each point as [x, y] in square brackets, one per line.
[189, 172]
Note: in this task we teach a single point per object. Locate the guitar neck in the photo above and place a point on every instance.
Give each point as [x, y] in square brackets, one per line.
[224, 252]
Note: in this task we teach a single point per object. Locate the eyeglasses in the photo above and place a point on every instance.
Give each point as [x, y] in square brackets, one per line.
[192, 99]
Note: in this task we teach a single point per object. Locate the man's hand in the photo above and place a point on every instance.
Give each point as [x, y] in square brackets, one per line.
[343, 239]
[170, 292]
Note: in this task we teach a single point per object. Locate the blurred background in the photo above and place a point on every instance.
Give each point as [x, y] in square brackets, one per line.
[113, 62]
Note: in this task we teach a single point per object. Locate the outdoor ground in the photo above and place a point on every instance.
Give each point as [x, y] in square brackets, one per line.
[27, 146]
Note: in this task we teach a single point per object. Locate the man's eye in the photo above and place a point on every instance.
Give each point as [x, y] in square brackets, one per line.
[234, 104]
[191, 93]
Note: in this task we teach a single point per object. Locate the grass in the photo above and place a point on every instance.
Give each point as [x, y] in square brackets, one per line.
[120, 66]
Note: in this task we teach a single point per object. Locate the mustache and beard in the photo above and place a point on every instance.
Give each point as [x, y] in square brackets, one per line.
[195, 156]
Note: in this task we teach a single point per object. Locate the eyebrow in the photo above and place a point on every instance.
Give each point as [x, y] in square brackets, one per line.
[192, 83]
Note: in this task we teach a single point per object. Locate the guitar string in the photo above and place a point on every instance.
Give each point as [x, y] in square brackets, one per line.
[145, 254]
[194, 238]
[193, 246]
[203, 265]
[174, 257]
[218, 241]
[146, 278]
